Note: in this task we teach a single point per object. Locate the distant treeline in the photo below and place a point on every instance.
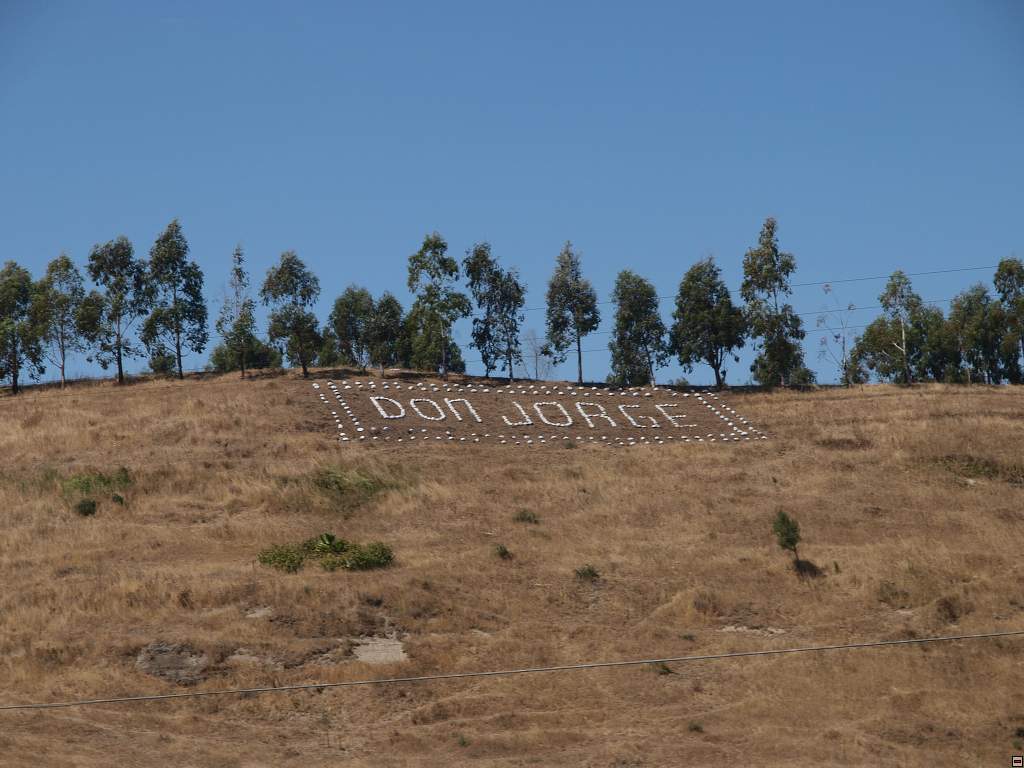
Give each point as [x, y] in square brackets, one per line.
[155, 308]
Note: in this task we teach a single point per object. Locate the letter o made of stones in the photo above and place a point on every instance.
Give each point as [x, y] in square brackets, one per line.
[440, 411]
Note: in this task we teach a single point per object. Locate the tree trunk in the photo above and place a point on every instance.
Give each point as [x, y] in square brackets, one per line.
[241, 363]
[906, 358]
[120, 364]
[444, 354]
[382, 370]
[579, 361]
[510, 367]
[177, 352]
[305, 369]
[63, 359]
[718, 377]
[14, 366]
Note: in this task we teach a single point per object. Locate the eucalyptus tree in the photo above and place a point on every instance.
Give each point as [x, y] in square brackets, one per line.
[126, 296]
[979, 324]
[1009, 282]
[57, 306]
[900, 304]
[21, 335]
[384, 332]
[423, 342]
[638, 343]
[349, 320]
[433, 275]
[772, 321]
[572, 311]
[177, 322]
[499, 296]
[708, 327]
[290, 290]
[236, 323]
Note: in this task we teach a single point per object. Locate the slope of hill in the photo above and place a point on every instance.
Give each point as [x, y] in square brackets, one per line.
[910, 504]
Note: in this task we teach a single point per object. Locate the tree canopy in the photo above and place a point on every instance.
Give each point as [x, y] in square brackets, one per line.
[572, 311]
[772, 321]
[290, 289]
[638, 343]
[708, 327]
[177, 321]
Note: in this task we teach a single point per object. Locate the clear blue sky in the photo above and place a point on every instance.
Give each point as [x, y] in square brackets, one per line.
[880, 135]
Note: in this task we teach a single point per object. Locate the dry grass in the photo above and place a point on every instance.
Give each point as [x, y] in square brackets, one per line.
[909, 501]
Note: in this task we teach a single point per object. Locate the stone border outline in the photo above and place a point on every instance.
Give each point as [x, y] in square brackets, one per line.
[724, 412]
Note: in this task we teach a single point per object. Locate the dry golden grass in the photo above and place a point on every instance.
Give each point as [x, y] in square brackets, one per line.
[910, 502]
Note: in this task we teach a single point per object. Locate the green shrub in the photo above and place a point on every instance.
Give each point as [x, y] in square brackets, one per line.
[89, 483]
[331, 552]
[325, 544]
[695, 727]
[372, 555]
[284, 557]
[86, 507]
[117, 498]
[587, 572]
[525, 516]
[787, 533]
[502, 551]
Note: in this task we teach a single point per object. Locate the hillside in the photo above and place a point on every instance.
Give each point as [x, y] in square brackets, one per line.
[910, 502]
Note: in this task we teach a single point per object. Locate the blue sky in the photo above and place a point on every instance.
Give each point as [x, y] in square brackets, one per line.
[880, 135]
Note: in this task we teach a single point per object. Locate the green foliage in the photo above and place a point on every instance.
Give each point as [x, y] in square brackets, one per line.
[384, 332]
[587, 572]
[162, 362]
[499, 296]
[325, 544]
[331, 552]
[424, 341]
[779, 330]
[708, 327]
[979, 324]
[290, 289]
[787, 532]
[96, 483]
[432, 277]
[502, 552]
[21, 332]
[526, 516]
[695, 727]
[638, 342]
[56, 305]
[107, 317]
[236, 324]
[258, 356]
[177, 320]
[368, 556]
[350, 320]
[118, 499]
[1009, 282]
[86, 507]
[284, 557]
[572, 311]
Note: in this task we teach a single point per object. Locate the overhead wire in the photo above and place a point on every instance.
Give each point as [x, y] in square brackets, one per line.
[504, 672]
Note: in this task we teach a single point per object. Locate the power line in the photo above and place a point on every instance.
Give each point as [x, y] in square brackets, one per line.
[831, 282]
[506, 672]
[820, 312]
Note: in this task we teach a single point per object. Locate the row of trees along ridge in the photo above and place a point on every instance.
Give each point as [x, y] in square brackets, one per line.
[156, 307]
